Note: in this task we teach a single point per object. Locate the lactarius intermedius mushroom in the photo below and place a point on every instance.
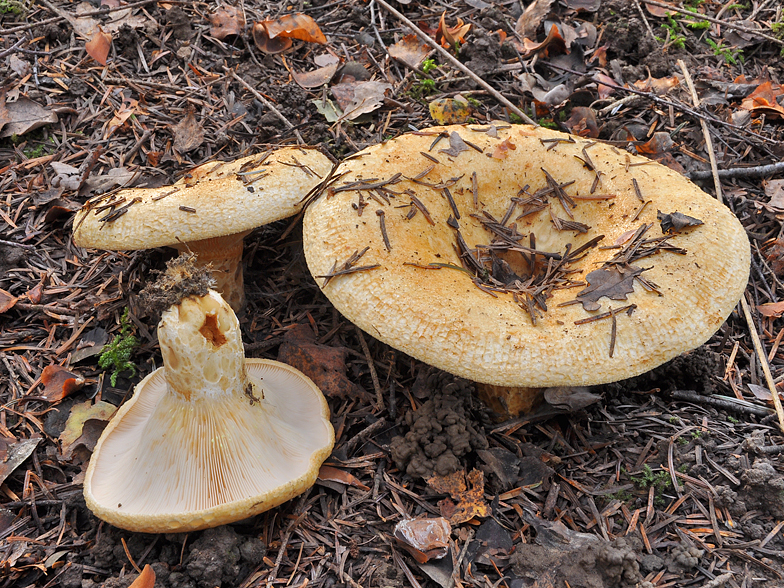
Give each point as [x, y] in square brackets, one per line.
[209, 211]
[211, 437]
[524, 258]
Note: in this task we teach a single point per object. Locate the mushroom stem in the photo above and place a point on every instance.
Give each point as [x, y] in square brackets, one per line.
[214, 364]
[224, 256]
[510, 401]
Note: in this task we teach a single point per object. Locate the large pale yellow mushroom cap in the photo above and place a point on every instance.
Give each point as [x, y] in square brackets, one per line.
[211, 437]
[442, 318]
[208, 211]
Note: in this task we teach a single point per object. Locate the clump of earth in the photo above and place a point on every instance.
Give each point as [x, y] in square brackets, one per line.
[441, 430]
[584, 562]
[215, 558]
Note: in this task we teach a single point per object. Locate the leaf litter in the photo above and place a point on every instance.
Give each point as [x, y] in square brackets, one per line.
[721, 523]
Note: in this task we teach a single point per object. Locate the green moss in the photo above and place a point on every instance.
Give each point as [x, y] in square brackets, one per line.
[117, 355]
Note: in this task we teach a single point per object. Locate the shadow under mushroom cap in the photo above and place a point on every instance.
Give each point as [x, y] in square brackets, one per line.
[418, 298]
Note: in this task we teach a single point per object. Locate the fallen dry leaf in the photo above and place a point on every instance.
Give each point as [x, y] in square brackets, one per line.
[59, 382]
[676, 221]
[358, 98]
[450, 111]
[226, 21]
[553, 42]
[658, 11]
[188, 133]
[294, 26]
[451, 37]
[98, 46]
[318, 77]
[25, 115]
[467, 489]
[126, 110]
[774, 309]
[774, 189]
[533, 16]
[7, 301]
[582, 122]
[409, 50]
[611, 283]
[324, 364]
[146, 579]
[763, 100]
[331, 474]
[659, 86]
[15, 454]
[80, 414]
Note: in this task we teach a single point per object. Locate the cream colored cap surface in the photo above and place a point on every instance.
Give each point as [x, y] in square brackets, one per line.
[209, 438]
[212, 200]
[442, 318]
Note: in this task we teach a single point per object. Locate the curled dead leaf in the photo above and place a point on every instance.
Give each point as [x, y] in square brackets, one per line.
[294, 26]
[98, 47]
[59, 382]
[450, 37]
[763, 100]
[268, 44]
[424, 539]
[331, 474]
[658, 86]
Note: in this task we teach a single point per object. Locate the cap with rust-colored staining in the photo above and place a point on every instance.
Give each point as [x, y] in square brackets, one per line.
[211, 437]
[476, 265]
[208, 211]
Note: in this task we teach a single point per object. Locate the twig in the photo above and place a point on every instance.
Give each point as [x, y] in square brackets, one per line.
[755, 171]
[763, 361]
[705, 132]
[265, 102]
[373, 374]
[725, 402]
[13, 47]
[15, 244]
[644, 19]
[724, 23]
[454, 62]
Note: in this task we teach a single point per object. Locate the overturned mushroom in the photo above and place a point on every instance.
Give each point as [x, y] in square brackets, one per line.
[498, 253]
[208, 211]
[211, 437]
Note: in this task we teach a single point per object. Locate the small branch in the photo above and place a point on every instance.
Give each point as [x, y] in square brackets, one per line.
[705, 132]
[763, 361]
[724, 23]
[756, 171]
[454, 62]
